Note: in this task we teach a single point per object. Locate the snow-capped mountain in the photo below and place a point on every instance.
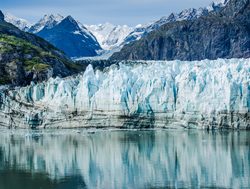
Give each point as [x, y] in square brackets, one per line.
[65, 33]
[216, 5]
[69, 36]
[22, 24]
[48, 21]
[112, 37]
[187, 14]
[108, 35]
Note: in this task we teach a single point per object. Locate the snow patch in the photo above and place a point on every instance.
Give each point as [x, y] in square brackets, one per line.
[108, 35]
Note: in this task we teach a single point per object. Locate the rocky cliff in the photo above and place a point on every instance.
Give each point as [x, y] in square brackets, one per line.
[1, 16]
[223, 34]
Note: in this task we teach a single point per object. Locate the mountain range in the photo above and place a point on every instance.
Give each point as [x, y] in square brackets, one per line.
[168, 38]
[65, 33]
[222, 33]
[89, 40]
[187, 14]
[79, 40]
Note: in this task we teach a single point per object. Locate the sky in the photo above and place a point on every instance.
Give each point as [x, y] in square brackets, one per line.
[129, 12]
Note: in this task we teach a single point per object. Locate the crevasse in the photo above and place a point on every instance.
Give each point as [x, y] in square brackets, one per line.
[199, 94]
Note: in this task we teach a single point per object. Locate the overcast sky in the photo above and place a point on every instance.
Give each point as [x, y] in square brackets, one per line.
[130, 12]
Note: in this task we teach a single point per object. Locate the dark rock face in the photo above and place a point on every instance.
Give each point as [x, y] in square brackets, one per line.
[70, 38]
[223, 34]
[1, 16]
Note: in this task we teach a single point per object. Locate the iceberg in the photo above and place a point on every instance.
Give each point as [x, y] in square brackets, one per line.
[137, 94]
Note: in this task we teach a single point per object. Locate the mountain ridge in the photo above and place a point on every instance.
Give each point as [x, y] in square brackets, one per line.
[111, 37]
[48, 21]
[222, 34]
[186, 14]
[22, 24]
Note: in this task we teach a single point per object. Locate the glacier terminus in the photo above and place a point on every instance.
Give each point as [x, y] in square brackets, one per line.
[144, 94]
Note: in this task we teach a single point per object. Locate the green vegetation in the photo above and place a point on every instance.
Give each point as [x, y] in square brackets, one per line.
[75, 67]
[35, 64]
[26, 57]
[12, 42]
[36, 55]
[20, 55]
[5, 48]
[33, 57]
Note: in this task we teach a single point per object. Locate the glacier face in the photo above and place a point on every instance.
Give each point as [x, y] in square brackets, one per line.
[199, 94]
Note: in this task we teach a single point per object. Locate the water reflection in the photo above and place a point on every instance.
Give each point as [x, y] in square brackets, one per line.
[125, 159]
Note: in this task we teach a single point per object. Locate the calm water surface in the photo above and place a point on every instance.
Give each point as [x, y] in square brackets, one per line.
[71, 159]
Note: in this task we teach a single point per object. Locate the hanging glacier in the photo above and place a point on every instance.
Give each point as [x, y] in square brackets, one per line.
[141, 94]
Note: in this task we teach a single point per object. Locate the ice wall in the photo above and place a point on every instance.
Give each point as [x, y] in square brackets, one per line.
[138, 94]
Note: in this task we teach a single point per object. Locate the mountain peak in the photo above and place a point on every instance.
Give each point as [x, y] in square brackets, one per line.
[77, 40]
[70, 19]
[22, 24]
[217, 4]
[48, 21]
[69, 23]
[56, 17]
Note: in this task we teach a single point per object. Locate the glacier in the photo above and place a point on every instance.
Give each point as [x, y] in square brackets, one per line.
[137, 94]
[108, 35]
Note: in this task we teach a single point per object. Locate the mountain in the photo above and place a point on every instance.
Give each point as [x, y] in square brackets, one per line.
[77, 41]
[220, 34]
[67, 35]
[47, 22]
[108, 35]
[187, 14]
[25, 57]
[112, 37]
[22, 24]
